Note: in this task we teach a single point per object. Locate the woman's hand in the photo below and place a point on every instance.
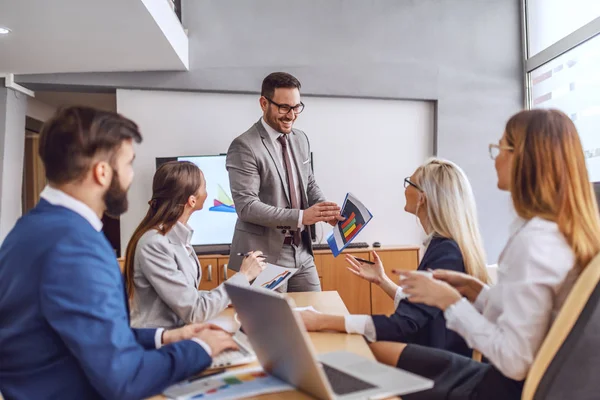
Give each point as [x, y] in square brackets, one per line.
[253, 265]
[467, 285]
[421, 287]
[311, 319]
[374, 273]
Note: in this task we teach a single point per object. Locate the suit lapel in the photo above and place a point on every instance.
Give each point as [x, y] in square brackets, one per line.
[182, 251]
[274, 156]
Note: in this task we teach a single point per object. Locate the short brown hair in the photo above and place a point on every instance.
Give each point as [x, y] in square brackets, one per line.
[278, 80]
[75, 136]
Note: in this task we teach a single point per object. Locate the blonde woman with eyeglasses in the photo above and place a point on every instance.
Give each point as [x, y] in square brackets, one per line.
[440, 195]
[540, 160]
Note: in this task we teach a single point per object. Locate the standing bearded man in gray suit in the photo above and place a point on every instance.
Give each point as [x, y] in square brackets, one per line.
[273, 187]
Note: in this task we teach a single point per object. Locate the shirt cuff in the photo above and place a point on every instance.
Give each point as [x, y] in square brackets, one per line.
[205, 346]
[300, 215]
[398, 297]
[158, 338]
[481, 299]
[361, 324]
[453, 312]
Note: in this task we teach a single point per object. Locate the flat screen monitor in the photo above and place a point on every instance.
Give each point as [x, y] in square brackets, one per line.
[213, 225]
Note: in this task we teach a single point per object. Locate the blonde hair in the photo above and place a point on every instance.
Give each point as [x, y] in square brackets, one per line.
[451, 211]
[550, 180]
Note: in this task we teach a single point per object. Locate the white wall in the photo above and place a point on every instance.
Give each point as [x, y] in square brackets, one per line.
[363, 146]
[13, 107]
[39, 110]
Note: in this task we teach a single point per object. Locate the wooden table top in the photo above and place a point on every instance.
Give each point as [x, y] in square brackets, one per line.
[324, 342]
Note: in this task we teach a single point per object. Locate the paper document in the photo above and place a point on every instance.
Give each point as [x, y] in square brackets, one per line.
[236, 384]
[308, 308]
[273, 276]
[357, 216]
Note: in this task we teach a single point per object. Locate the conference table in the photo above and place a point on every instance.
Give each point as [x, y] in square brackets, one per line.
[324, 342]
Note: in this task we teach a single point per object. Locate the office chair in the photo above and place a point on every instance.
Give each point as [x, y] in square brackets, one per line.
[566, 366]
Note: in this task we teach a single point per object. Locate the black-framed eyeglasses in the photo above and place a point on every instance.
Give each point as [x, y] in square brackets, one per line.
[285, 108]
[408, 182]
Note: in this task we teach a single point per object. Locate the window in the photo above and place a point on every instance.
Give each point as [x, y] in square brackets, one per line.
[549, 21]
[562, 68]
[571, 83]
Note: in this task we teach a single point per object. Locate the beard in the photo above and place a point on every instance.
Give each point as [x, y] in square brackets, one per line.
[115, 198]
[275, 120]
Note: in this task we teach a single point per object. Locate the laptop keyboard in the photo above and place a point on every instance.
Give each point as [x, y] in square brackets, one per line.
[342, 383]
[228, 357]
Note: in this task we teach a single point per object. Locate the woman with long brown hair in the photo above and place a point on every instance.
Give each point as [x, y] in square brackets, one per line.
[540, 160]
[162, 271]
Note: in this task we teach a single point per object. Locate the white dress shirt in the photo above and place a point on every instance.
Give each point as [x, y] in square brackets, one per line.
[59, 198]
[274, 135]
[363, 324]
[508, 321]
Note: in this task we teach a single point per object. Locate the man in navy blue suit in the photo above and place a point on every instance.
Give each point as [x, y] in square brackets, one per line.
[64, 317]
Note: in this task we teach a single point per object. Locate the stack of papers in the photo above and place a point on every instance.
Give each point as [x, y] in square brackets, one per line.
[237, 384]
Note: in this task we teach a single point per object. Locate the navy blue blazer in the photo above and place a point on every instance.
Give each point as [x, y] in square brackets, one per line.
[421, 324]
[64, 331]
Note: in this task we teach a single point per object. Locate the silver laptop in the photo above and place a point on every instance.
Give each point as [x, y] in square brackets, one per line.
[284, 350]
[232, 358]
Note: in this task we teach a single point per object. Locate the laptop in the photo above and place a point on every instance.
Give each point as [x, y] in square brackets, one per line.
[232, 358]
[284, 350]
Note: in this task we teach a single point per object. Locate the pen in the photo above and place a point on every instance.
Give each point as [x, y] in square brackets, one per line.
[198, 377]
[248, 253]
[362, 260]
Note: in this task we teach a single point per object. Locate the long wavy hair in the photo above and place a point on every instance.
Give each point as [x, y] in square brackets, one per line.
[174, 182]
[550, 179]
[451, 211]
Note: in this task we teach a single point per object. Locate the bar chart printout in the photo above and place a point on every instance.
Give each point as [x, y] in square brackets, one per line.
[357, 217]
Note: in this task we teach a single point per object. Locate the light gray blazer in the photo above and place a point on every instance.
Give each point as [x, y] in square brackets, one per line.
[166, 279]
[260, 192]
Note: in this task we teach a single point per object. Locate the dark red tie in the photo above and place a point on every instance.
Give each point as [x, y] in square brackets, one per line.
[290, 180]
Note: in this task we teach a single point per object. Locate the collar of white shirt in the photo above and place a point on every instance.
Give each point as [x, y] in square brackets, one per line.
[182, 234]
[59, 198]
[273, 134]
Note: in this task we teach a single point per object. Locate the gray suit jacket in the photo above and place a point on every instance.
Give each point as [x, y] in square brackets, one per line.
[166, 279]
[260, 192]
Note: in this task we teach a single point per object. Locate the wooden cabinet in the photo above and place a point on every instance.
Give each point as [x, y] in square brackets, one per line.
[210, 273]
[355, 291]
[224, 272]
[360, 296]
[397, 258]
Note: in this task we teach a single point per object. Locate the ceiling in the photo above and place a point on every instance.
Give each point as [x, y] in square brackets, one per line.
[91, 36]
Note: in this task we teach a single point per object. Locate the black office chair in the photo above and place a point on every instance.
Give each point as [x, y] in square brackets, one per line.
[568, 363]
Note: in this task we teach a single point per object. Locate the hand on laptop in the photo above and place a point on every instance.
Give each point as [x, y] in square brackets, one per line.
[218, 340]
[186, 332]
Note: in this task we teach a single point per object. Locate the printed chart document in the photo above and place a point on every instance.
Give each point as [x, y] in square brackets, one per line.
[357, 217]
[236, 384]
[273, 276]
